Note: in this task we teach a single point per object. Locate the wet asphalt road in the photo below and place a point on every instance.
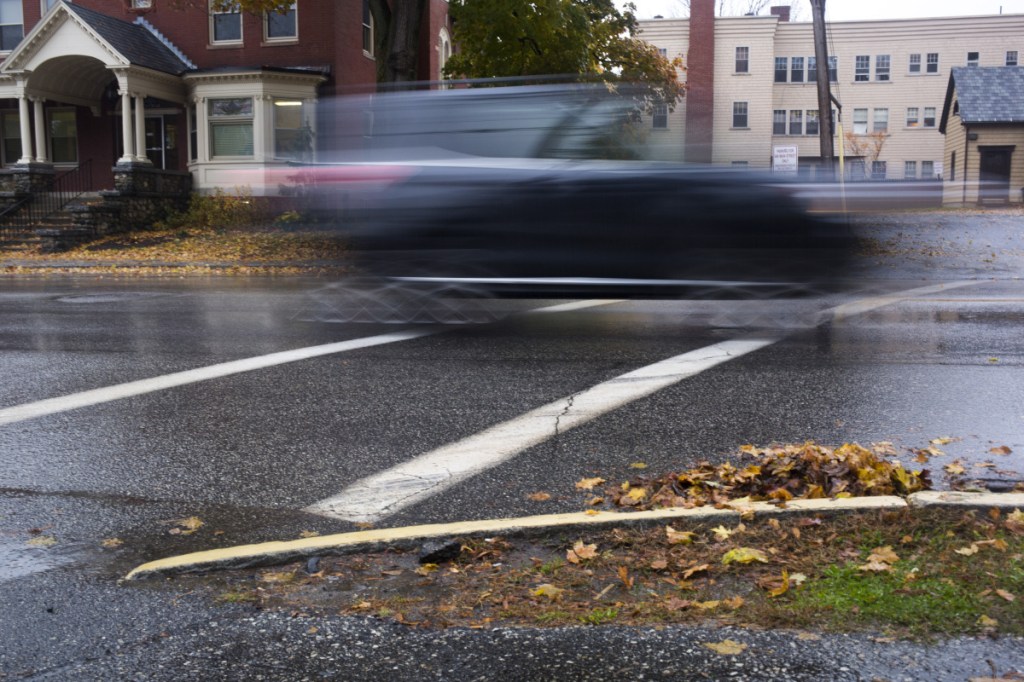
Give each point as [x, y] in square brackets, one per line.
[247, 452]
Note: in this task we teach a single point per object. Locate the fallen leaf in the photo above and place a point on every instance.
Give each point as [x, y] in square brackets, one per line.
[694, 570]
[722, 533]
[588, 483]
[744, 555]
[548, 590]
[954, 469]
[808, 637]
[776, 585]
[309, 534]
[591, 512]
[426, 569]
[112, 543]
[986, 622]
[883, 554]
[539, 497]
[679, 537]
[279, 577]
[1008, 596]
[726, 647]
[625, 577]
[313, 630]
[659, 565]
[797, 579]
[1001, 450]
[637, 465]
[580, 552]
[942, 440]
[186, 526]
[1015, 522]
[637, 494]
[594, 501]
[42, 541]
[709, 605]
[968, 551]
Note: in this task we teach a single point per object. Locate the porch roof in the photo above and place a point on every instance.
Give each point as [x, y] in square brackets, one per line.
[134, 41]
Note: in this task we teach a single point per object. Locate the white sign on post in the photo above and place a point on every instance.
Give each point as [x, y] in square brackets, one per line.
[785, 159]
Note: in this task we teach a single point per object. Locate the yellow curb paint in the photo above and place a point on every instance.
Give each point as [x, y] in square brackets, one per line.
[269, 551]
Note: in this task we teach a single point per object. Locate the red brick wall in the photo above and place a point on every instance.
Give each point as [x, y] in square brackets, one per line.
[700, 78]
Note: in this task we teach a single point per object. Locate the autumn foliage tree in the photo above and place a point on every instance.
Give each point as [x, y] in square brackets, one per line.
[587, 38]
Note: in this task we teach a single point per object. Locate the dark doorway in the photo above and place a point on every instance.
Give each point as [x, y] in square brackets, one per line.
[994, 175]
[162, 141]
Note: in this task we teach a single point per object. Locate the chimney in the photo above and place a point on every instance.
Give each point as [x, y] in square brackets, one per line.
[700, 80]
[781, 11]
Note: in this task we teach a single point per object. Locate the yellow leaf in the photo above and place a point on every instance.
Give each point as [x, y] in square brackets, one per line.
[722, 533]
[591, 512]
[954, 469]
[42, 541]
[707, 605]
[580, 552]
[112, 543]
[427, 569]
[733, 603]
[875, 566]
[309, 534]
[637, 465]
[637, 494]
[278, 577]
[942, 440]
[808, 636]
[679, 537]
[1015, 522]
[986, 622]
[883, 554]
[726, 647]
[588, 483]
[968, 551]
[782, 587]
[539, 496]
[744, 555]
[548, 590]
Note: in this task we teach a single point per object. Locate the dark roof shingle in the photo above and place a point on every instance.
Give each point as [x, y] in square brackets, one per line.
[991, 94]
[133, 41]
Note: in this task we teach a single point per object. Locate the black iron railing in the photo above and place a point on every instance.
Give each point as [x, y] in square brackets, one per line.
[32, 209]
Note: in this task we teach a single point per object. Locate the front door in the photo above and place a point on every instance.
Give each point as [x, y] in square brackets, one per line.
[995, 174]
[162, 141]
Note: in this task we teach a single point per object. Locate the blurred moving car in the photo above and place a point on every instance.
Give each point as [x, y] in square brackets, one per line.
[542, 190]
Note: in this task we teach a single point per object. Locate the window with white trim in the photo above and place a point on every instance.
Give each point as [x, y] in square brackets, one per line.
[63, 135]
[882, 64]
[225, 25]
[860, 121]
[739, 114]
[812, 122]
[878, 170]
[862, 68]
[281, 26]
[781, 69]
[444, 51]
[915, 63]
[292, 139]
[742, 60]
[12, 24]
[1011, 57]
[833, 69]
[929, 117]
[927, 170]
[779, 122]
[796, 71]
[142, 4]
[660, 116]
[796, 122]
[881, 121]
[973, 58]
[910, 170]
[368, 30]
[231, 123]
[913, 120]
[932, 63]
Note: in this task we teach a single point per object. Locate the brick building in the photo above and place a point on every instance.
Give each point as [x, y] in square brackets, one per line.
[752, 88]
[172, 85]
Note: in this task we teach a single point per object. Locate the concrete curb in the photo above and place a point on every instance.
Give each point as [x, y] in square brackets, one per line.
[271, 553]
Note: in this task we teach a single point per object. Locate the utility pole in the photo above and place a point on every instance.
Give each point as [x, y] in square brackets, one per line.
[824, 91]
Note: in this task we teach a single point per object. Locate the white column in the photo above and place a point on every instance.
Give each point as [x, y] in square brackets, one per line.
[127, 139]
[26, 130]
[40, 121]
[140, 129]
[261, 131]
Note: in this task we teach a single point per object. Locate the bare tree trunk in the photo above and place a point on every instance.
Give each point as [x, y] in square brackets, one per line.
[404, 40]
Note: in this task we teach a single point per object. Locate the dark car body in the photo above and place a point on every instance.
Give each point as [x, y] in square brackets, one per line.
[504, 189]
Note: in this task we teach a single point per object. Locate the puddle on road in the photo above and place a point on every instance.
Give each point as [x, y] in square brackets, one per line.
[18, 559]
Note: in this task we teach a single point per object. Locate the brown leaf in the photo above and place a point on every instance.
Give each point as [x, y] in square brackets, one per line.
[1001, 450]
[884, 554]
[726, 647]
[539, 496]
[679, 537]
[1008, 596]
[186, 526]
[112, 543]
[625, 577]
[659, 564]
[694, 570]
[580, 552]
[1015, 522]
[955, 469]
